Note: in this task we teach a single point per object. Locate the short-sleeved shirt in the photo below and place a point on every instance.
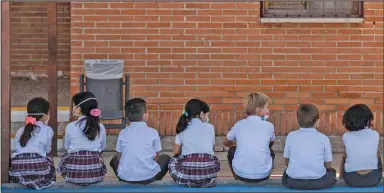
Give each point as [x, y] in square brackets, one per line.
[307, 150]
[75, 140]
[252, 158]
[361, 149]
[198, 137]
[138, 144]
[40, 142]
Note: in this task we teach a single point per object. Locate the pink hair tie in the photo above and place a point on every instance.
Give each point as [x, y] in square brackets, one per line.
[95, 112]
[30, 120]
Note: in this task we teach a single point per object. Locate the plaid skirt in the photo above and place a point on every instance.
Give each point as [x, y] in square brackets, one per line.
[195, 170]
[83, 167]
[32, 170]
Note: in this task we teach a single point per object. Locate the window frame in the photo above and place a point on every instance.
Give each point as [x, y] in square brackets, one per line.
[306, 19]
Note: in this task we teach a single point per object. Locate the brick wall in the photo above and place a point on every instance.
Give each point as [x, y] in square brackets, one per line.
[29, 43]
[220, 51]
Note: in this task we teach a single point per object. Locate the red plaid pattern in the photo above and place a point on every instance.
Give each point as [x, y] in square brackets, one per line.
[83, 167]
[33, 170]
[195, 170]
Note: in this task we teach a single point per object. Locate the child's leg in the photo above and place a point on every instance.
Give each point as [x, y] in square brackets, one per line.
[342, 166]
[115, 164]
[230, 156]
[163, 162]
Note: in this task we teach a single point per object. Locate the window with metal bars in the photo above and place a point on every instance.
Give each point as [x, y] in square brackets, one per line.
[311, 9]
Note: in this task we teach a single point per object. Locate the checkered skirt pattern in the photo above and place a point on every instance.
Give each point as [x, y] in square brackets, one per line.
[32, 170]
[195, 170]
[83, 167]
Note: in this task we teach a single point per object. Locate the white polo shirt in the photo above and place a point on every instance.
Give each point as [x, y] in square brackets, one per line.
[307, 150]
[138, 144]
[40, 142]
[75, 140]
[252, 159]
[198, 137]
[361, 149]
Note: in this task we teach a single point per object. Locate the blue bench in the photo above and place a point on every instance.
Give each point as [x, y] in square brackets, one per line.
[169, 186]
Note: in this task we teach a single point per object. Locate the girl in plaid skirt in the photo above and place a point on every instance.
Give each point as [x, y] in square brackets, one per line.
[194, 163]
[84, 140]
[32, 165]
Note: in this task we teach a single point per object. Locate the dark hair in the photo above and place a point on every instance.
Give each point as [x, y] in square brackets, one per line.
[35, 106]
[193, 108]
[307, 115]
[135, 109]
[92, 127]
[357, 117]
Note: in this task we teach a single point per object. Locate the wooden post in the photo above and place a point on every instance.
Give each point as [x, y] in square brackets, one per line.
[5, 92]
[52, 71]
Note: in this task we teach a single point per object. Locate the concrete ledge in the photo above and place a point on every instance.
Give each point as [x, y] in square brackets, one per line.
[169, 185]
[312, 20]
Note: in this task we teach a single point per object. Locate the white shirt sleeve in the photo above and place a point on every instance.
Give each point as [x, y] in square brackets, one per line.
[178, 140]
[328, 150]
[103, 136]
[119, 143]
[231, 135]
[48, 146]
[157, 143]
[273, 133]
[286, 148]
[66, 138]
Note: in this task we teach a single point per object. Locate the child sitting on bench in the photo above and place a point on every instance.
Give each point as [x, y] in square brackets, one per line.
[250, 155]
[138, 147]
[361, 165]
[308, 154]
[84, 141]
[194, 163]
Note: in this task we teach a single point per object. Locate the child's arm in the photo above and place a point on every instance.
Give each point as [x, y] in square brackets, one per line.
[157, 156]
[176, 150]
[230, 139]
[228, 143]
[271, 144]
[286, 161]
[328, 165]
[342, 165]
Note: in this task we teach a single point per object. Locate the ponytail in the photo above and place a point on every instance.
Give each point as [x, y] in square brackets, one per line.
[92, 127]
[182, 123]
[27, 134]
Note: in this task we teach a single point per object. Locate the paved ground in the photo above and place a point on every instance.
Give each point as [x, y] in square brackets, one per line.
[225, 172]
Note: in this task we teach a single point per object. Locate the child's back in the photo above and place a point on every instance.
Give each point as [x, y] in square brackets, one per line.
[137, 143]
[198, 137]
[307, 150]
[308, 154]
[361, 149]
[253, 157]
[361, 165]
[76, 141]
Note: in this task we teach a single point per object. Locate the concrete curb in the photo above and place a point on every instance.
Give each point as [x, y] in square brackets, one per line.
[58, 185]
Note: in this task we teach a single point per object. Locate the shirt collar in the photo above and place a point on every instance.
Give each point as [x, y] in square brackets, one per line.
[138, 124]
[196, 120]
[39, 123]
[254, 117]
[81, 117]
[308, 129]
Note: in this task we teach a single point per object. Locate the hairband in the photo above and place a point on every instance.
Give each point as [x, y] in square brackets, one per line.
[30, 120]
[186, 114]
[84, 101]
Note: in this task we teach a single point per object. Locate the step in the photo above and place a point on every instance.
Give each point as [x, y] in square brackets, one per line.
[223, 185]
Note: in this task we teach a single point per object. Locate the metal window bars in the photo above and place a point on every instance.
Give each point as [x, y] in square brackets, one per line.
[311, 9]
